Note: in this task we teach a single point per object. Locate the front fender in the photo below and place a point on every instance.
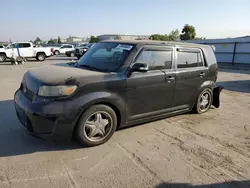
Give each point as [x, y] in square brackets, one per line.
[84, 102]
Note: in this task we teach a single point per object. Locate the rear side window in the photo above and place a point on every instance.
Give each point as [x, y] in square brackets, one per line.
[189, 59]
[156, 59]
[24, 45]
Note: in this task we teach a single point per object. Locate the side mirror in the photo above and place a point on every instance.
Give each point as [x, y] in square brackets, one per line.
[140, 67]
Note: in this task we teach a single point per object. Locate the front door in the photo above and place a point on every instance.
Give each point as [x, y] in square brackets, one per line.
[26, 50]
[191, 72]
[151, 93]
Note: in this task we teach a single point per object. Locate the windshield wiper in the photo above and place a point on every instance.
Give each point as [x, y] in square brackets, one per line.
[89, 67]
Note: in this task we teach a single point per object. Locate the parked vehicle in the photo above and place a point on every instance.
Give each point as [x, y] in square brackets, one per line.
[117, 84]
[27, 50]
[63, 49]
[80, 51]
[70, 53]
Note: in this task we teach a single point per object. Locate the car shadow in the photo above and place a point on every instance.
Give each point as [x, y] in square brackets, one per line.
[236, 85]
[229, 184]
[16, 141]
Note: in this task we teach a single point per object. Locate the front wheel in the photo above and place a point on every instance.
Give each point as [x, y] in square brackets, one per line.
[96, 126]
[204, 101]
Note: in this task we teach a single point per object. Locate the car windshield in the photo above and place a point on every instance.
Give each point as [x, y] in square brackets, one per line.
[106, 56]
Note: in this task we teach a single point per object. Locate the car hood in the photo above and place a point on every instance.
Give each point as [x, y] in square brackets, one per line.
[62, 74]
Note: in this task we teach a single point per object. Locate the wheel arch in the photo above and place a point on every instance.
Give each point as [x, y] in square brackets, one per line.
[113, 101]
[204, 85]
[40, 52]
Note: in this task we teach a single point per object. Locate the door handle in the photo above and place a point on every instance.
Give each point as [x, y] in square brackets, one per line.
[202, 74]
[170, 78]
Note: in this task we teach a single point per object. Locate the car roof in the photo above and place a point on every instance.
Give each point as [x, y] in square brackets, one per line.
[155, 42]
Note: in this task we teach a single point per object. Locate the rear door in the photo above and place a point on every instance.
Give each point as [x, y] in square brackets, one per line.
[191, 72]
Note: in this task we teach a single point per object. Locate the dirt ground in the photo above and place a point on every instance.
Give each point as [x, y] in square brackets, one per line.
[208, 150]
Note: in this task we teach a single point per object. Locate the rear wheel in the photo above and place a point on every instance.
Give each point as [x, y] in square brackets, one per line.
[40, 57]
[96, 126]
[204, 101]
[72, 54]
[2, 58]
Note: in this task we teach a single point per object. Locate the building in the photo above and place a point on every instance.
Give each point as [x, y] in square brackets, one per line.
[229, 50]
[71, 40]
[122, 37]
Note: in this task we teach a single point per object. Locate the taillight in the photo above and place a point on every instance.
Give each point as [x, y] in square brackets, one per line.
[51, 49]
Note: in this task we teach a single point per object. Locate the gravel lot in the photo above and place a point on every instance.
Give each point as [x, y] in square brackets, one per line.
[183, 151]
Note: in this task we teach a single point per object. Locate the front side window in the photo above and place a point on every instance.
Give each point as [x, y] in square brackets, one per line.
[106, 56]
[189, 59]
[156, 59]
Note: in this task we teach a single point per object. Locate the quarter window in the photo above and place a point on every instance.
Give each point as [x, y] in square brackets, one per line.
[189, 59]
[156, 59]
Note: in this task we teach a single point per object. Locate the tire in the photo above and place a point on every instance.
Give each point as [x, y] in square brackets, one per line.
[2, 58]
[40, 57]
[108, 117]
[198, 107]
[72, 54]
[56, 52]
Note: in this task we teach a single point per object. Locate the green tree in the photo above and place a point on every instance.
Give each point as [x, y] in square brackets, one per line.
[51, 41]
[188, 32]
[174, 35]
[93, 39]
[38, 40]
[59, 40]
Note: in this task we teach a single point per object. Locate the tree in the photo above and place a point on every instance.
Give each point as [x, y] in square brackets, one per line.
[94, 39]
[51, 41]
[188, 32]
[38, 40]
[174, 35]
[59, 40]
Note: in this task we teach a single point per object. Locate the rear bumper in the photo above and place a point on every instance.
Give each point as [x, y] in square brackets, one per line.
[50, 125]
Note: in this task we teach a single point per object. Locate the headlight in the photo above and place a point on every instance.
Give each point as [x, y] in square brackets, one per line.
[56, 91]
[84, 49]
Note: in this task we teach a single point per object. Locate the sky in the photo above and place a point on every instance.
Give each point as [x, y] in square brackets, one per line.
[28, 19]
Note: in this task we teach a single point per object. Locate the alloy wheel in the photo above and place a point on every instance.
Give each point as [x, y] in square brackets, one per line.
[204, 101]
[98, 126]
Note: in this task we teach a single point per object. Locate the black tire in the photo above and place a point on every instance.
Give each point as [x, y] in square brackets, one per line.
[80, 131]
[197, 107]
[56, 52]
[2, 58]
[40, 57]
[72, 54]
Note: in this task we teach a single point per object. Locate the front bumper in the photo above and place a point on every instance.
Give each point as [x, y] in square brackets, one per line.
[43, 120]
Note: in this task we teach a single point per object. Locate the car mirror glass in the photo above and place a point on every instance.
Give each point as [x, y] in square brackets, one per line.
[140, 67]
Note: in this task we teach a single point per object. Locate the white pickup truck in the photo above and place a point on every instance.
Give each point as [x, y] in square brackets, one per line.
[63, 49]
[27, 50]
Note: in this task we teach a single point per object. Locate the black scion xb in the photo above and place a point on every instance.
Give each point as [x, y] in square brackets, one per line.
[114, 85]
